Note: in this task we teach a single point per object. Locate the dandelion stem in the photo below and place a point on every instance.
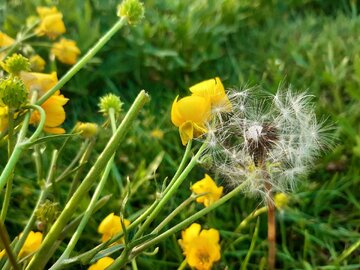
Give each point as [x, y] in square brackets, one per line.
[38, 262]
[271, 231]
[84, 60]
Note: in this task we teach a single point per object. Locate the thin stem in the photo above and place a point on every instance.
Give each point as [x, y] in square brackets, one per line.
[5, 241]
[170, 193]
[250, 217]
[271, 233]
[37, 262]
[139, 249]
[90, 209]
[84, 60]
[252, 246]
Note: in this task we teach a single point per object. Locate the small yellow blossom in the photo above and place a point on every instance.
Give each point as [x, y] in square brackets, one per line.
[5, 41]
[102, 264]
[32, 243]
[110, 226]
[190, 114]
[157, 133]
[200, 247]
[214, 90]
[3, 118]
[87, 130]
[2, 253]
[66, 51]
[37, 63]
[51, 23]
[281, 200]
[55, 114]
[208, 186]
[42, 82]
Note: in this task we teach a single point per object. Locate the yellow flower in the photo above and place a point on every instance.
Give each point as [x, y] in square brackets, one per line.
[51, 23]
[190, 114]
[157, 134]
[3, 118]
[2, 253]
[66, 51]
[214, 90]
[32, 243]
[5, 41]
[110, 226]
[201, 248]
[102, 264]
[281, 200]
[55, 114]
[42, 82]
[37, 63]
[208, 186]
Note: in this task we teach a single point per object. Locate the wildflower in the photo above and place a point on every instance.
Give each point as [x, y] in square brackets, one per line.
[16, 63]
[157, 133]
[214, 90]
[87, 130]
[13, 92]
[209, 187]
[5, 40]
[2, 253]
[281, 200]
[110, 226]
[110, 101]
[66, 51]
[102, 264]
[37, 63]
[201, 247]
[190, 114]
[51, 23]
[3, 118]
[268, 139]
[133, 10]
[32, 243]
[55, 114]
[41, 82]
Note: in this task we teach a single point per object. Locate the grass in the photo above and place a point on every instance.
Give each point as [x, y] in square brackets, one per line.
[312, 45]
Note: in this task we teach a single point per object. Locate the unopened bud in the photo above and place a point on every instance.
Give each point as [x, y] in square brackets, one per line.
[13, 92]
[110, 101]
[281, 200]
[87, 130]
[16, 63]
[133, 10]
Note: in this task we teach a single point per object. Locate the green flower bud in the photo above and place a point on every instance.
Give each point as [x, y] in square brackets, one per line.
[281, 200]
[47, 212]
[87, 130]
[133, 10]
[16, 63]
[13, 92]
[110, 101]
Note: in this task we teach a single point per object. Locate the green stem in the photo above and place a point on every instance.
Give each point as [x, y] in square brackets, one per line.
[5, 241]
[84, 60]
[250, 217]
[170, 192]
[90, 209]
[252, 246]
[139, 249]
[347, 252]
[37, 261]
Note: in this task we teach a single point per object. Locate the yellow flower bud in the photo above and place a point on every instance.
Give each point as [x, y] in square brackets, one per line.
[281, 200]
[87, 130]
[133, 10]
[37, 63]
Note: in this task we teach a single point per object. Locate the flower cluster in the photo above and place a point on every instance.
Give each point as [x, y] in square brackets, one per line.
[192, 113]
[269, 139]
[201, 247]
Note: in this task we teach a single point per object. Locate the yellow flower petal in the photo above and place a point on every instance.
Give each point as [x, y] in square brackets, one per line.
[37, 63]
[5, 40]
[32, 243]
[209, 187]
[41, 82]
[110, 226]
[214, 90]
[66, 51]
[102, 264]
[46, 11]
[51, 25]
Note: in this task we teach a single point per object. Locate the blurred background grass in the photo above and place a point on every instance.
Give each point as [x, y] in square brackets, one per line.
[312, 45]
